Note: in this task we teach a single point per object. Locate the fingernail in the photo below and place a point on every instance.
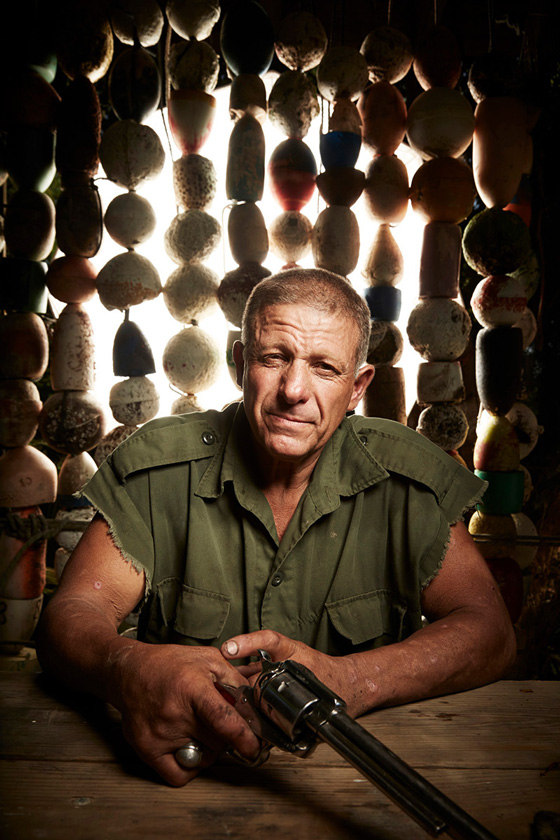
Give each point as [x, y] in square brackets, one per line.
[232, 647]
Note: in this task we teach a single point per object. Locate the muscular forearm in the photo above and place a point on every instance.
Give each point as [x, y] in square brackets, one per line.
[79, 645]
[452, 654]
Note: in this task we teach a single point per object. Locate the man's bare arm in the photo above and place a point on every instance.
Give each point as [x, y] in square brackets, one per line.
[469, 641]
[166, 693]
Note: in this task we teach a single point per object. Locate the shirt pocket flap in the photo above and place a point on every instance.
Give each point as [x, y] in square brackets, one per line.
[364, 618]
[198, 613]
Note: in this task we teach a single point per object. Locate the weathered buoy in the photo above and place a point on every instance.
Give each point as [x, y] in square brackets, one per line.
[247, 234]
[27, 478]
[137, 19]
[442, 190]
[191, 360]
[127, 280]
[504, 493]
[29, 575]
[110, 441]
[440, 382]
[499, 148]
[290, 236]
[439, 330]
[385, 262]
[292, 170]
[526, 426]
[437, 58]
[440, 260]
[388, 53]
[20, 406]
[301, 41]
[134, 84]
[191, 292]
[72, 421]
[496, 241]
[235, 288]
[71, 279]
[383, 112]
[192, 236]
[194, 182]
[79, 220]
[75, 472]
[293, 103]
[132, 355]
[130, 219]
[134, 401]
[384, 302]
[498, 367]
[340, 185]
[195, 19]
[84, 41]
[193, 65]
[497, 446]
[498, 301]
[386, 344]
[29, 225]
[72, 362]
[78, 132]
[336, 240]
[385, 395]
[386, 189]
[247, 38]
[25, 343]
[445, 424]
[342, 73]
[131, 153]
[440, 123]
[245, 161]
[191, 117]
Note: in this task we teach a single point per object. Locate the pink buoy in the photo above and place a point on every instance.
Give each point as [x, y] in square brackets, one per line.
[191, 116]
[292, 171]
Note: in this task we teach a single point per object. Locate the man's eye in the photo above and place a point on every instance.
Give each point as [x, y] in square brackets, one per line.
[324, 367]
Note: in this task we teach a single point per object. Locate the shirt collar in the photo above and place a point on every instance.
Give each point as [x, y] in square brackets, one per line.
[345, 467]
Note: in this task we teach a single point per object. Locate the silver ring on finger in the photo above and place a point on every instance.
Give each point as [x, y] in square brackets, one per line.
[189, 755]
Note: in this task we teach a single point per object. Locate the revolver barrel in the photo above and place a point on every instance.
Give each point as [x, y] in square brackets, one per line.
[299, 704]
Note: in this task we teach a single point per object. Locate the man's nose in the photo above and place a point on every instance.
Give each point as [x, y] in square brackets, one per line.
[295, 383]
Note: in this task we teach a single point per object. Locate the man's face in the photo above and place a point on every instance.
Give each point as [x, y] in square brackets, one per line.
[299, 380]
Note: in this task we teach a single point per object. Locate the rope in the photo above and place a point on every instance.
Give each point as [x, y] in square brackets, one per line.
[31, 529]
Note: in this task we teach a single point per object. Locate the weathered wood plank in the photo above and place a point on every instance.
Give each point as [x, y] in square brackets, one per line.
[43, 800]
[419, 733]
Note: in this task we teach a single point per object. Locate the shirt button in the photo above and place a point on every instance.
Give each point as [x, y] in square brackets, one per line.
[208, 438]
[363, 439]
[277, 579]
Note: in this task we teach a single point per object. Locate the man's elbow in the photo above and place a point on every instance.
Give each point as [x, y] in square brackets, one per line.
[505, 649]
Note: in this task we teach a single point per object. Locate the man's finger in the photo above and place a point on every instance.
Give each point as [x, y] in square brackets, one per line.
[248, 644]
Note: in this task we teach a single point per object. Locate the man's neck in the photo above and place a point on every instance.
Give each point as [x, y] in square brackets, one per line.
[283, 483]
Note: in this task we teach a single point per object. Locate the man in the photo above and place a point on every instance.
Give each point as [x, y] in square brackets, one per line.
[279, 523]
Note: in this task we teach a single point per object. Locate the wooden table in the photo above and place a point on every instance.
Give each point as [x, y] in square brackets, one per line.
[66, 772]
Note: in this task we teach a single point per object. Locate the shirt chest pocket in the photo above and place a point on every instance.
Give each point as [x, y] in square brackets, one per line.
[180, 613]
[369, 620]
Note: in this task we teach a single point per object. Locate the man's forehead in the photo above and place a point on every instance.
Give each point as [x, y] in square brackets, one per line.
[302, 316]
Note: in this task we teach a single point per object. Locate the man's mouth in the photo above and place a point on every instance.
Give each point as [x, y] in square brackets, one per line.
[288, 419]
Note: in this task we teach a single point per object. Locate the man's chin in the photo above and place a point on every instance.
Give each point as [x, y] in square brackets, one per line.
[287, 448]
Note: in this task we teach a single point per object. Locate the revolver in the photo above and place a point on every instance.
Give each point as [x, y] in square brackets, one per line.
[289, 708]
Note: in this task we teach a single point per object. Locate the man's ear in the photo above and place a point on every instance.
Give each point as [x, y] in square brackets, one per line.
[237, 351]
[362, 380]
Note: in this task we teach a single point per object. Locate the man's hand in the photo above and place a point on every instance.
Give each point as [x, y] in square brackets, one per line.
[167, 696]
[165, 693]
[337, 672]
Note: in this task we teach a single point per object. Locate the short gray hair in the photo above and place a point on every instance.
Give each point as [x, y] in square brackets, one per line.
[314, 287]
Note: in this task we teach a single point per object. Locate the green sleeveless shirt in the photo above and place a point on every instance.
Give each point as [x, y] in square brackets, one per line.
[369, 533]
